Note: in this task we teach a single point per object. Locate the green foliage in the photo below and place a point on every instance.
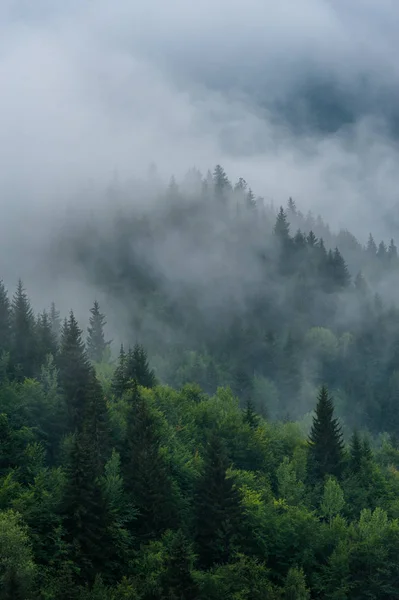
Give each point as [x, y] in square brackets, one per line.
[325, 441]
[17, 569]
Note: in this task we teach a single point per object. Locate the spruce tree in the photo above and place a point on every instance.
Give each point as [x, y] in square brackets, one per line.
[138, 368]
[146, 475]
[55, 322]
[23, 339]
[250, 416]
[371, 247]
[84, 510]
[96, 344]
[74, 371]
[46, 340]
[356, 453]
[120, 379]
[281, 227]
[5, 320]
[325, 441]
[218, 506]
[177, 580]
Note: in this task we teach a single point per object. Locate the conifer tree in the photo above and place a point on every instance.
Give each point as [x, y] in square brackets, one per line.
[221, 182]
[84, 510]
[96, 344]
[177, 579]
[46, 340]
[325, 441]
[356, 453]
[5, 320]
[250, 415]
[23, 339]
[382, 252]
[218, 507]
[55, 322]
[120, 378]
[371, 246]
[392, 253]
[281, 227]
[74, 371]
[138, 368]
[146, 473]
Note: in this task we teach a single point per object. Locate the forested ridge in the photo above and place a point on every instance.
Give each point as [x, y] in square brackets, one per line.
[241, 443]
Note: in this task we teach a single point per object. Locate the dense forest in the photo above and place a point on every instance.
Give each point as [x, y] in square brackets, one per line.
[242, 442]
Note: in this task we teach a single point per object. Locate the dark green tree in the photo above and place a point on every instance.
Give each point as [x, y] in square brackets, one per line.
[146, 472]
[250, 416]
[325, 441]
[96, 344]
[46, 339]
[120, 378]
[23, 338]
[177, 580]
[356, 453]
[84, 510]
[219, 511]
[138, 368]
[74, 371]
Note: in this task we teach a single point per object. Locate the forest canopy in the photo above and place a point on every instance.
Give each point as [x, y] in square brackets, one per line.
[242, 440]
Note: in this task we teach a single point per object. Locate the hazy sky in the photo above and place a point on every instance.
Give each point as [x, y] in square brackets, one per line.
[88, 88]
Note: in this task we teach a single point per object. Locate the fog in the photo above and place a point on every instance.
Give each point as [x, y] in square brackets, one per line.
[94, 91]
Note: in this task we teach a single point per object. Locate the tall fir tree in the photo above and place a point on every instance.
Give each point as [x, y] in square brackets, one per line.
[218, 505]
[74, 371]
[356, 453]
[83, 511]
[177, 579]
[5, 320]
[23, 338]
[120, 380]
[46, 340]
[138, 368]
[55, 322]
[325, 441]
[96, 344]
[282, 227]
[146, 473]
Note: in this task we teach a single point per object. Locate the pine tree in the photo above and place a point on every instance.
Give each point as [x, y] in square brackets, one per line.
[339, 270]
[281, 227]
[137, 367]
[177, 579]
[84, 510]
[382, 252]
[250, 416]
[96, 344]
[291, 207]
[5, 320]
[371, 246]
[392, 253]
[46, 340]
[218, 507]
[250, 199]
[311, 239]
[146, 473]
[96, 422]
[23, 339]
[55, 322]
[356, 453]
[221, 182]
[74, 371]
[325, 441]
[120, 378]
